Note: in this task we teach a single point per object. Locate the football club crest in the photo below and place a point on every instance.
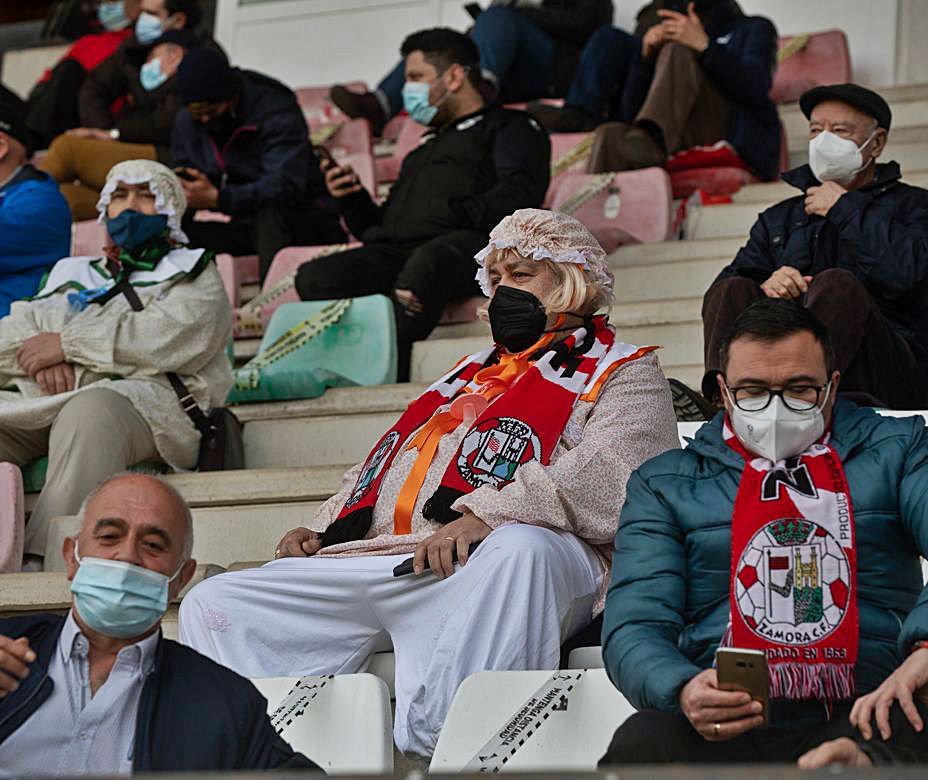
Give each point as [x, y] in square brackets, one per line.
[491, 452]
[372, 468]
[792, 583]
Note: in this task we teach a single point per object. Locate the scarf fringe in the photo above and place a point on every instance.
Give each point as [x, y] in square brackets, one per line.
[828, 682]
[351, 527]
[438, 507]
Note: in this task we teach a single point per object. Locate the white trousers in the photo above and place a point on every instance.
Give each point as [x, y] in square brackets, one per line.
[523, 591]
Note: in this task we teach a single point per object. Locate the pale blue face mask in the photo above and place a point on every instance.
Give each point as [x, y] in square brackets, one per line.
[148, 28]
[151, 75]
[112, 15]
[119, 599]
[416, 101]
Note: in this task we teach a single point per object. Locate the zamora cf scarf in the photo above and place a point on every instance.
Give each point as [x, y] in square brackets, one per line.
[794, 572]
[522, 425]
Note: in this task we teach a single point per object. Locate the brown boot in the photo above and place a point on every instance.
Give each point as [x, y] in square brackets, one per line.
[360, 105]
[621, 147]
[561, 120]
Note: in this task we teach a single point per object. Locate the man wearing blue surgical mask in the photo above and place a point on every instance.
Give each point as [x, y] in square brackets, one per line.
[101, 691]
[852, 247]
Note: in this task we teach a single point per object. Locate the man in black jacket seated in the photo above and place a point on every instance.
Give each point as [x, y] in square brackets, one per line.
[853, 247]
[476, 165]
[101, 691]
[243, 145]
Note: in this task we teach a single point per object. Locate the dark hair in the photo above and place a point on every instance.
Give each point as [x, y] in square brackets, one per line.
[443, 47]
[773, 319]
[191, 8]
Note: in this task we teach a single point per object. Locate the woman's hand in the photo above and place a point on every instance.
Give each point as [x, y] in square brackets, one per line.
[900, 687]
[460, 534]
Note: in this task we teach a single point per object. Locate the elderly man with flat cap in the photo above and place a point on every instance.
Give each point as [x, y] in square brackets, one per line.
[35, 224]
[101, 691]
[852, 247]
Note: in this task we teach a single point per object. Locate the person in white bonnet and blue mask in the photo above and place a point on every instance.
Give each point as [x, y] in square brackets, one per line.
[852, 247]
[88, 356]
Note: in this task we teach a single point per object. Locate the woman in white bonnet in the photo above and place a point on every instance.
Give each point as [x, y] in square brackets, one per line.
[524, 448]
[89, 371]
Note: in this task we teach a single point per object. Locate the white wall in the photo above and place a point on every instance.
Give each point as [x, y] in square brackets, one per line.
[305, 42]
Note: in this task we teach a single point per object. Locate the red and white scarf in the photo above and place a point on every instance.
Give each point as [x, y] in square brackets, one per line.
[794, 571]
[521, 425]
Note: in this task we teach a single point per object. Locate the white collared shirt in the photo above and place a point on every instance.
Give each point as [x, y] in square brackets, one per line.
[76, 732]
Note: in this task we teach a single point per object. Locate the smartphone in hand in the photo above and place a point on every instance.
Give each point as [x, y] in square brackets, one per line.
[744, 670]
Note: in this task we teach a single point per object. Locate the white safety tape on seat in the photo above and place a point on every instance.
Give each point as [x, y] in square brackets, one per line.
[593, 186]
[297, 701]
[551, 697]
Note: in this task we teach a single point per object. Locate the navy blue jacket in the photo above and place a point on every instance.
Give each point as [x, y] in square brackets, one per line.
[740, 60]
[267, 159]
[193, 714]
[35, 233]
[879, 233]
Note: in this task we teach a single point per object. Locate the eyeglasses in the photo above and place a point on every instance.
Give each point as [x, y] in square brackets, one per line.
[798, 398]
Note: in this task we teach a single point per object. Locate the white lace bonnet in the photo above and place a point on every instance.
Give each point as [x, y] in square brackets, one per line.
[538, 234]
[162, 181]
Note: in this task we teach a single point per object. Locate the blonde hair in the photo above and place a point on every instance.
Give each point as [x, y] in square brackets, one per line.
[574, 291]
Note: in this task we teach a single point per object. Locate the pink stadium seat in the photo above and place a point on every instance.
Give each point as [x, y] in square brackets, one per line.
[228, 270]
[561, 144]
[388, 168]
[392, 129]
[825, 59]
[88, 238]
[248, 269]
[636, 207]
[318, 109]
[11, 518]
[205, 215]
[353, 137]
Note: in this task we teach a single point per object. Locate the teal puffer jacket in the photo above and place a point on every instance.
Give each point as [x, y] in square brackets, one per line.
[667, 606]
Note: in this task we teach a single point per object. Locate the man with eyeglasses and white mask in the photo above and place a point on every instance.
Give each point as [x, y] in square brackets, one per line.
[101, 691]
[792, 526]
[852, 247]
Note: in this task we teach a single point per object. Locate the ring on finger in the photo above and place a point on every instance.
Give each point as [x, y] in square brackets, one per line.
[449, 538]
[716, 728]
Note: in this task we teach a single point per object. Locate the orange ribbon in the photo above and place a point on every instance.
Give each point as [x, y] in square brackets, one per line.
[493, 381]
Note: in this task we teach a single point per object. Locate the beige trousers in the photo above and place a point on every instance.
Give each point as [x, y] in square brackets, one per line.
[96, 434]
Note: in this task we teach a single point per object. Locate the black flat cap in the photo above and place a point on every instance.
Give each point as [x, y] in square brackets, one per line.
[861, 98]
[13, 116]
[204, 76]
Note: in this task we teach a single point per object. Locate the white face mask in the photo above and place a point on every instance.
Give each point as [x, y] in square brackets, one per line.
[833, 158]
[778, 432]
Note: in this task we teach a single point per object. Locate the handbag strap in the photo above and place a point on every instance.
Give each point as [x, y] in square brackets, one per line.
[187, 401]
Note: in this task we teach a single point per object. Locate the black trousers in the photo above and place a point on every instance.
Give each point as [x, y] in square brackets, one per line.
[877, 365]
[272, 228]
[437, 271]
[654, 737]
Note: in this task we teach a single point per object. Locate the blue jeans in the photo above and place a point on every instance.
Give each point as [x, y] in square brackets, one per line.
[604, 66]
[512, 47]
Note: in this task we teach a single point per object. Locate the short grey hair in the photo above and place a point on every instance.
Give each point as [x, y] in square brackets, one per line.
[173, 491]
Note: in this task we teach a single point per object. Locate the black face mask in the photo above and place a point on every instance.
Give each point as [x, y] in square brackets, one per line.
[517, 318]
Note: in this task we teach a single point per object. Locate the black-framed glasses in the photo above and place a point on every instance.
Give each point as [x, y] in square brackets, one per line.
[798, 398]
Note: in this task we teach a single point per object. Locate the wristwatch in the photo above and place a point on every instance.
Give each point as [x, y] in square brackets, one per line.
[114, 134]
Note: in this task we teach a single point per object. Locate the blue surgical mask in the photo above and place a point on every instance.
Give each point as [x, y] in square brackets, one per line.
[119, 599]
[416, 102]
[132, 229]
[148, 28]
[112, 15]
[151, 75]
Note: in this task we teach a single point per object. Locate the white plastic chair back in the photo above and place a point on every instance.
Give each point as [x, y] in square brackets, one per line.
[570, 739]
[342, 723]
[586, 658]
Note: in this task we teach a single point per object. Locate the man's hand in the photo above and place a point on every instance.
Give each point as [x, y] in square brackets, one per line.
[652, 41]
[706, 706]
[200, 192]
[14, 655]
[40, 351]
[786, 282]
[819, 200]
[90, 132]
[56, 379]
[900, 686]
[340, 180]
[844, 751]
[460, 533]
[298, 543]
[685, 29]
[408, 300]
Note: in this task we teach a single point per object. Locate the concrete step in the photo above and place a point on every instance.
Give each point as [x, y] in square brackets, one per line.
[667, 252]
[725, 220]
[50, 591]
[335, 401]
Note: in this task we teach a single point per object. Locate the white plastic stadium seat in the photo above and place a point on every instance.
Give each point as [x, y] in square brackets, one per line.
[570, 739]
[343, 723]
[586, 658]
[383, 665]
